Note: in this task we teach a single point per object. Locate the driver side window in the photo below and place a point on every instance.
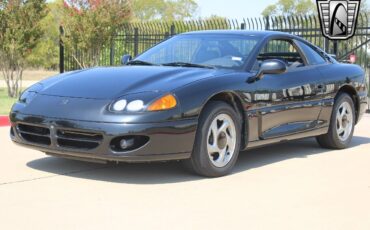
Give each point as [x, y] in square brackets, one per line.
[283, 50]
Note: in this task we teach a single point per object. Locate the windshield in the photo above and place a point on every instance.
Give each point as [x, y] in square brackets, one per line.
[201, 50]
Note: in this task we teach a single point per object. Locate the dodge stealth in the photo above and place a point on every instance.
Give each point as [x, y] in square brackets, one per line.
[199, 97]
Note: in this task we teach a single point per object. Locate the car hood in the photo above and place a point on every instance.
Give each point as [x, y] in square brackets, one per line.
[113, 82]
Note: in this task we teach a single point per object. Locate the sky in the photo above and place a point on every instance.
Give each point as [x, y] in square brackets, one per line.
[234, 9]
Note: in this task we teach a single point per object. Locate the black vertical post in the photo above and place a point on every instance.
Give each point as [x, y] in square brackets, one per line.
[136, 41]
[335, 48]
[242, 26]
[267, 25]
[61, 50]
[111, 56]
[326, 48]
[173, 30]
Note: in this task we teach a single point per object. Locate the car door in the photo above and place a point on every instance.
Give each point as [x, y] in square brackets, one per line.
[316, 58]
[287, 103]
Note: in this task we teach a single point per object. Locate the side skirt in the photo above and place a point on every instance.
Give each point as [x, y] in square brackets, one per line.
[312, 133]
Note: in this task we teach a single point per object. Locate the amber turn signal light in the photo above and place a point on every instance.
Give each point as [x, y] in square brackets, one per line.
[163, 103]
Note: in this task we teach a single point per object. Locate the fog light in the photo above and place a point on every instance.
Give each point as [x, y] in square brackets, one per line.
[127, 143]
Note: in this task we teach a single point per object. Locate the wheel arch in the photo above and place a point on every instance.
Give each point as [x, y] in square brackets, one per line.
[351, 91]
[234, 101]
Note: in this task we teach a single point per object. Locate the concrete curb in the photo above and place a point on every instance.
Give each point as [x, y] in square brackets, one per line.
[4, 121]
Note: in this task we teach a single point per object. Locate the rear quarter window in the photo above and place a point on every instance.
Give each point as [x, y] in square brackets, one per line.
[313, 57]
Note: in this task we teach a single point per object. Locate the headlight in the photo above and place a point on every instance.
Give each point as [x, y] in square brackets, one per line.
[119, 105]
[164, 103]
[135, 106]
[130, 103]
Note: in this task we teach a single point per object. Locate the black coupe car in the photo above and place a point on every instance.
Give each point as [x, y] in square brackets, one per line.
[199, 97]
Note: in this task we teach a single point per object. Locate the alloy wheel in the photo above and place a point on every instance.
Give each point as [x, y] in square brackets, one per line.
[344, 121]
[221, 140]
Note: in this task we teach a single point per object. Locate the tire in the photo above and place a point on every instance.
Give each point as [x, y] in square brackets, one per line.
[215, 157]
[341, 126]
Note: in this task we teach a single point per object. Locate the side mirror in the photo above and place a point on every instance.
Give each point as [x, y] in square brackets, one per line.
[126, 59]
[273, 66]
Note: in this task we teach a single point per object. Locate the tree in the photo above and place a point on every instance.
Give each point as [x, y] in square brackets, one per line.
[20, 31]
[90, 25]
[46, 53]
[166, 10]
[290, 7]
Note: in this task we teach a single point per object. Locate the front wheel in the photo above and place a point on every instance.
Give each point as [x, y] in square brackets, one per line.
[217, 141]
[342, 124]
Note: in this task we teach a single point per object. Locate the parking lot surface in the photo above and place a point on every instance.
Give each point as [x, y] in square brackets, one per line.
[294, 185]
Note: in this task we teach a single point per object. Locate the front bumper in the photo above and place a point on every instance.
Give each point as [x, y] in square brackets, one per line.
[171, 140]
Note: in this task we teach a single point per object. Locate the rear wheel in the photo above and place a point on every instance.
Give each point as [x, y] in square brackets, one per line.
[217, 141]
[341, 126]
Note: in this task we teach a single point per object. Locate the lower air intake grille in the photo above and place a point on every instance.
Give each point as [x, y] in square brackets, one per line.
[34, 134]
[78, 140]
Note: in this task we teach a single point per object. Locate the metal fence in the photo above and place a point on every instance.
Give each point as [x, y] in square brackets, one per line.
[135, 38]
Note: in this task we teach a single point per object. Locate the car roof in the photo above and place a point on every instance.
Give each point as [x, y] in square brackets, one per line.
[240, 32]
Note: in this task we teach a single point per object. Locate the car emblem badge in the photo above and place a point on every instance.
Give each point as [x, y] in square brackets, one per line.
[338, 18]
[65, 101]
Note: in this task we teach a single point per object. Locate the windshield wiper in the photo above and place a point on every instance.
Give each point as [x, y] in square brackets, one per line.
[139, 62]
[185, 64]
